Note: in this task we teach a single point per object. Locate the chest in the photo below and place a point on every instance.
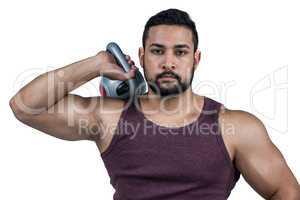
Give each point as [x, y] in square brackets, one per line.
[167, 154]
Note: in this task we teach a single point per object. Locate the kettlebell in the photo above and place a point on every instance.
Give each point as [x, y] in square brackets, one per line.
[117, 88]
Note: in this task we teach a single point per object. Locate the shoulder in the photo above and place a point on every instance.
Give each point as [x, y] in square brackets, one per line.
[105, 105]
[106, 110]
[244, 128]
[238, 122]
[240, 119]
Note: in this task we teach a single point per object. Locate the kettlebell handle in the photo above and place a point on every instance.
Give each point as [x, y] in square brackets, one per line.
[116, 51]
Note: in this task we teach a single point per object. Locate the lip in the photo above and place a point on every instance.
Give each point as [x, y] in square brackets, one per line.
[167, 77]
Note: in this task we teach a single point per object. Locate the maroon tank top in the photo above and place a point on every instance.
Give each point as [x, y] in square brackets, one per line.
[146, 161]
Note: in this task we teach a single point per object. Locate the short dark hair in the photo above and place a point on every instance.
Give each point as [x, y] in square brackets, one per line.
[172, 17]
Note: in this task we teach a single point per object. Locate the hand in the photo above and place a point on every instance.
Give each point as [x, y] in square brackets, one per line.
[109, 68]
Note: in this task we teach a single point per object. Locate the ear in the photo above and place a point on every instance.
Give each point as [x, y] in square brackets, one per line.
[141, 56]
[197, 58]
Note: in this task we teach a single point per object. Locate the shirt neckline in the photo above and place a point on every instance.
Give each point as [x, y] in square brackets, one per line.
[198, 119]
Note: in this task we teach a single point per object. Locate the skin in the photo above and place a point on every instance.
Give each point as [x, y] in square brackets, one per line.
[58, 113]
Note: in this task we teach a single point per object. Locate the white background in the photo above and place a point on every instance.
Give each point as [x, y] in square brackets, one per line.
[248, 63]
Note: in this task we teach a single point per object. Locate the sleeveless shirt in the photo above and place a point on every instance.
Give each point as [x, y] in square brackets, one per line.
[147, 161]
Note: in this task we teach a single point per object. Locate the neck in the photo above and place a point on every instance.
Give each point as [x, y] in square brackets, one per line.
[182, 103]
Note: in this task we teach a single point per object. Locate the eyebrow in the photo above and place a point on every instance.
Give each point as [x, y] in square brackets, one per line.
[177, 46]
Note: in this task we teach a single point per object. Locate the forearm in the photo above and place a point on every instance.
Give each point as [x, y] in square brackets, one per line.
[50, 87]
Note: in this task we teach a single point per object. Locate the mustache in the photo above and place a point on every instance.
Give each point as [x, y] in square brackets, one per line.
[169, 74]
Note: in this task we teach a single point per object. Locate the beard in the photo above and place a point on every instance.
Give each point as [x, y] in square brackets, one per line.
[169, 88]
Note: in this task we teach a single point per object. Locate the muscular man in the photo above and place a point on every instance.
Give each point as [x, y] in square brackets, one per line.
[169, 143]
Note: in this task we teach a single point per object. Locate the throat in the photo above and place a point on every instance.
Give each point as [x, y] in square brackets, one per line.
[170, 115]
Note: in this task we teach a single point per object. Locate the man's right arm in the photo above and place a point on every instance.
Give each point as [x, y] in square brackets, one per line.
[45, 103]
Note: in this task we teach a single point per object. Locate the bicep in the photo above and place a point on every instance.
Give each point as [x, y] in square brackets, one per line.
[260, 162]
[71, 118]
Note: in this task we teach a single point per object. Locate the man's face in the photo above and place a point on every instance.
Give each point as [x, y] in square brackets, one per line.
[168, 59]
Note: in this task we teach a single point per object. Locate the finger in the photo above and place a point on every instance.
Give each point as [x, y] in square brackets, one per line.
[134, 67]
[117, 74]
[130, 62]
[131, 73]
[127, 57]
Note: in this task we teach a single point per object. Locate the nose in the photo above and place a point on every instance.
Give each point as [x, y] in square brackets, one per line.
[168, 66]
[168, 63]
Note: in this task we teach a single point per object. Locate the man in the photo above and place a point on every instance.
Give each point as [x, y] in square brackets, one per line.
[153, 147]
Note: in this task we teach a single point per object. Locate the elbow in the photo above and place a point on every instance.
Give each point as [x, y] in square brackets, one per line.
[23, 112]
[289, 193]
[17, 111]
[13, 106]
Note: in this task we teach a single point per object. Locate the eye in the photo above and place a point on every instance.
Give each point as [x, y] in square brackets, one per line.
[157, 51]
[180, 52]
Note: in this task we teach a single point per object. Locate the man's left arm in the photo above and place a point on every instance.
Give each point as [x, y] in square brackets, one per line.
[260, 162]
